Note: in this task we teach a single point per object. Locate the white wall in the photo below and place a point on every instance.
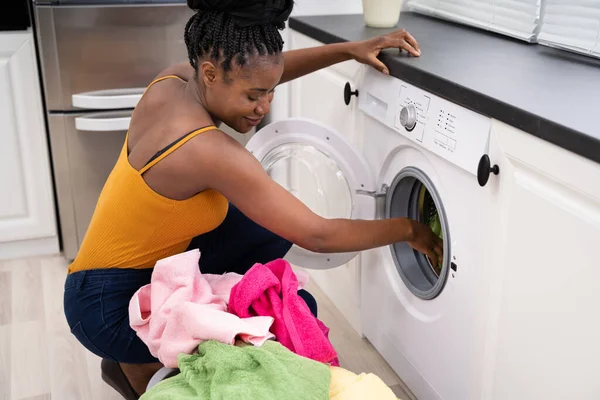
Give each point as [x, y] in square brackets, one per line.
[327, 7]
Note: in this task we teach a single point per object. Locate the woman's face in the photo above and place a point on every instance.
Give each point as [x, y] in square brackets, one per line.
[242, 96]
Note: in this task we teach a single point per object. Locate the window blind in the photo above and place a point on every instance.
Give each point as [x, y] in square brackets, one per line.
[572, 25]
[516, 18]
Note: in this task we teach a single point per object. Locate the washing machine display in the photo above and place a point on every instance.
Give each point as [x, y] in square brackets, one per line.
[444, 128]
[412, 195]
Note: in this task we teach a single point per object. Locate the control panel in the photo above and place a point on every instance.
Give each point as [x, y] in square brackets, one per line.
[411, 113]
[455, 133]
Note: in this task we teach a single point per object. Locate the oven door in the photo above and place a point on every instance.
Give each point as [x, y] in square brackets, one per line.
[106, 46]
[85, 148]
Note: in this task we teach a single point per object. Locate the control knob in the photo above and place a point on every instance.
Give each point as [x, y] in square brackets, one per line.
[408, 117]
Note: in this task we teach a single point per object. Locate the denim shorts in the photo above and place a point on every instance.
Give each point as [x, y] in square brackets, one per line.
[96, 301]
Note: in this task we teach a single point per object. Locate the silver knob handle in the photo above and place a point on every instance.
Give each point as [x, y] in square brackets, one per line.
[408, 117]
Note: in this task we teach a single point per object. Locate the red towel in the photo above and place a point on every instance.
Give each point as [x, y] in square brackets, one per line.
[272, 290]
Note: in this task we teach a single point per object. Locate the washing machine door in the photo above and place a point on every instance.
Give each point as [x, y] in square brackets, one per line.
[320, 167]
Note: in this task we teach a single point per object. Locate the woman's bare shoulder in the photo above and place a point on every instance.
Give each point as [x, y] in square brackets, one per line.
[184, 71]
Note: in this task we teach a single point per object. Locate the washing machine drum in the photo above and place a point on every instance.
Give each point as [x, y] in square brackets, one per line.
[413, 195]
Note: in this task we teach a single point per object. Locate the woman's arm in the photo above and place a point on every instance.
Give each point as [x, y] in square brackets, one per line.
[301, 62]
[229, 168]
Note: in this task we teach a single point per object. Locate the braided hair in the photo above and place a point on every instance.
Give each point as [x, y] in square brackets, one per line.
[229, 31]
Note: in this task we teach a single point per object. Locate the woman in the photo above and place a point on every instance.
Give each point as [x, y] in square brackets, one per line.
[171, 190]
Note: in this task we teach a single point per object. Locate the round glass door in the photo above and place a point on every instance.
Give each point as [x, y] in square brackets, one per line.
[323, 170]
[413, 195]
[312, 176]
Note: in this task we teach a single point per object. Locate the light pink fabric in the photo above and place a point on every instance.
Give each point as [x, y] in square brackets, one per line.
[180, 308]
[272, 290]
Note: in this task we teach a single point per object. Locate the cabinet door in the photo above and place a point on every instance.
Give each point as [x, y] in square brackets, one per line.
[26, 203]
[547, 325]
[320, 95]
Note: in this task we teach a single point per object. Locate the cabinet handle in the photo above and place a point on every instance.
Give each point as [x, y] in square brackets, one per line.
[110, 124]
[348, 93]
[485, 170]
[108, 99]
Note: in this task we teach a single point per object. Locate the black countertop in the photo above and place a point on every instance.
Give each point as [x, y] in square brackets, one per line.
[549, 93]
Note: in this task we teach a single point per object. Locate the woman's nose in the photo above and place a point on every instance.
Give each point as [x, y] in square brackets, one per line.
[263, 107]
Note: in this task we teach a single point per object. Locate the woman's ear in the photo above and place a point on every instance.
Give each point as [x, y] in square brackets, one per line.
[208, 73]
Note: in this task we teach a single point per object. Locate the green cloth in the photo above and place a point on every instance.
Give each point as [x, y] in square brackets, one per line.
[224, 372]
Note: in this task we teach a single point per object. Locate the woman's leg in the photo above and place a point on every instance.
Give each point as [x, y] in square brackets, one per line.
[139, 375]
[310, 301]
[239, 243]
[96, 307]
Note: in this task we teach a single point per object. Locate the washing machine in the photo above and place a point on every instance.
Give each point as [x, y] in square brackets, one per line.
[430, 155]
[422, 158]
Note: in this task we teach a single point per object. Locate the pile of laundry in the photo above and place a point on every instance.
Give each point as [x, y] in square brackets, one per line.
[240, 336]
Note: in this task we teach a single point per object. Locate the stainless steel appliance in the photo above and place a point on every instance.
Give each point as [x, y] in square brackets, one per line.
[97, 57]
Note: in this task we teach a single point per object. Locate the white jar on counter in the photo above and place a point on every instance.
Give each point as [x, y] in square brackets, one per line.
[381, 13]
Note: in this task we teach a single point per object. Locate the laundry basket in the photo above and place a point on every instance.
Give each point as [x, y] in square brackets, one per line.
[161, 375]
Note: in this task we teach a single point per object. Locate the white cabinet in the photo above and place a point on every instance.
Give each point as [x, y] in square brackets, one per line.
[320, 96]
[27, 216]
[545, 326]
[281, 105]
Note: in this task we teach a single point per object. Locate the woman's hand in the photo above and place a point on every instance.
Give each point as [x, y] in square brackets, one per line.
[366, 52]
[427, 242]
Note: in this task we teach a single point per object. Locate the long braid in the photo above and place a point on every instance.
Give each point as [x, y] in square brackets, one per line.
[214, 34]
[229, 51]
[256, 42]
[187, 37]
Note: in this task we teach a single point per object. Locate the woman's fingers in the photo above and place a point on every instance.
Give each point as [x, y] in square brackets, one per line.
[412, 41]
[368, 51]
[401, 43]
[376, 63]
[403, 40]
[440, 253]
[433, 257]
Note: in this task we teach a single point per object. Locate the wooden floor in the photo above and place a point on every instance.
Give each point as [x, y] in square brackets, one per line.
[41, 360]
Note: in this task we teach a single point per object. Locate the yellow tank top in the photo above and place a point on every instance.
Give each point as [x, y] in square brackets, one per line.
[133, 226]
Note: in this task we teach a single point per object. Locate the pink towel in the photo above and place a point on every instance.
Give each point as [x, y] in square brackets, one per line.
[181, 308]
[272, 290]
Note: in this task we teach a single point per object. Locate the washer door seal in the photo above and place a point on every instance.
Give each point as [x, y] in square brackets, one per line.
[410, 196]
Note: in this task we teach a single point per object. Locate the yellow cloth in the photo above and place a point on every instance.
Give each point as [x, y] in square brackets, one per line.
[346, 385]
[133, 226]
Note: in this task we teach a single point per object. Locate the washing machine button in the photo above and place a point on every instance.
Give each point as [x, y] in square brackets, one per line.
[408, 117]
